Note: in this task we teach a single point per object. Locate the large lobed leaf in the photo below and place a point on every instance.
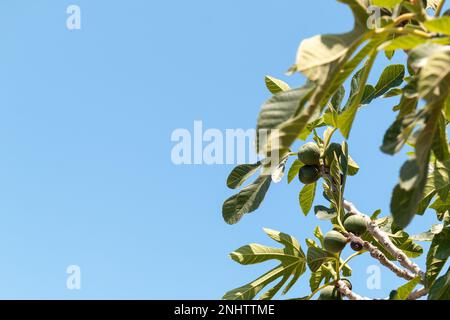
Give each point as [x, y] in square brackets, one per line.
[292, 266]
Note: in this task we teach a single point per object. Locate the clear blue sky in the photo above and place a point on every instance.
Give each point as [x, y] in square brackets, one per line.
[86, 118]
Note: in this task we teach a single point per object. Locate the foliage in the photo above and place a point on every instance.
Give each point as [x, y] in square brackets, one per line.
[330, 62]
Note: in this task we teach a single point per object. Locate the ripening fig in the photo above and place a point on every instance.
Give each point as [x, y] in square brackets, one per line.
[330, 293]
[330, 151]
[355, 224]
[309, 174]
[334, 242]
[356, 246]
[309, 154]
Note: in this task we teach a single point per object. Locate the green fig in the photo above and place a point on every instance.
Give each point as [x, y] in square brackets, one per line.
[355, 224]
[309, 154]
[334, 242]
[330, 293]
[309, 174]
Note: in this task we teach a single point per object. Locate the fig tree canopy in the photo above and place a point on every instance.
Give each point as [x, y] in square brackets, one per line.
[336, 68]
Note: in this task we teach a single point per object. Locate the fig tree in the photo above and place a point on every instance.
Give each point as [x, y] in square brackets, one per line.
[309, 154]
[355, 224]
[334, 148]
[334, 242]
[330, 293]
[309, 174]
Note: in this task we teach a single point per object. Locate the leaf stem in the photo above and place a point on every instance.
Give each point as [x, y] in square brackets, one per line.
[402, 30]
[404, 17]
[320, 288]
[439, 8]
[350, 258]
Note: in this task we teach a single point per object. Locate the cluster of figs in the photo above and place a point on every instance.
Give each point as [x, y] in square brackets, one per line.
[309, 155]
[334, 241]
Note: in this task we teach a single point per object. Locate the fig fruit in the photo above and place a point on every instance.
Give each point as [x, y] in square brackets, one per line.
[309, 154]
[334, 242]
[355, 224]
[309, 174]
[330, 293]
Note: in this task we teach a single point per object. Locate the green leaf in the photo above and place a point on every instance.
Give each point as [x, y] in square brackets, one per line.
[278, 109]
[353, 167]
[318, 234]
[441, 206]
[246, 201]
[435, 258]
[393, 93]
[292, 264]
[429, 235]
[442, 179]
[317, 56]
[324, 213]
[441, 144]
[306, 197]
[398, 133]
[441, 288]
[275, 85]
[391, 77]
[405, 202]
[240, 174]
[407, 42]
[404, 291]
[386, 3]
[316, 257]
[293, 171]
[434, 76]
[347, 117]
[443, 243]
[439, 25]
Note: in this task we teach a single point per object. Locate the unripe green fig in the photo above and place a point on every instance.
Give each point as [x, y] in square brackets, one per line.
[330, 293]
[355, 224]
[330, 151]
[309, 174]
[334, 242]
[309, 154]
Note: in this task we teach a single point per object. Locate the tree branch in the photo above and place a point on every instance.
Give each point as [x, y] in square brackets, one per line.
[345, 291]
[383, 238]
[377, 254]
[418, 294]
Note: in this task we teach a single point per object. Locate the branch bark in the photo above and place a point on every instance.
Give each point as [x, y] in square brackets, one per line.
[377, 254]
[345, 291]
[418, 294]
[383, 238]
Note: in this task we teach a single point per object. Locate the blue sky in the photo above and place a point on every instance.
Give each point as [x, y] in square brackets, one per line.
[86, 119]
